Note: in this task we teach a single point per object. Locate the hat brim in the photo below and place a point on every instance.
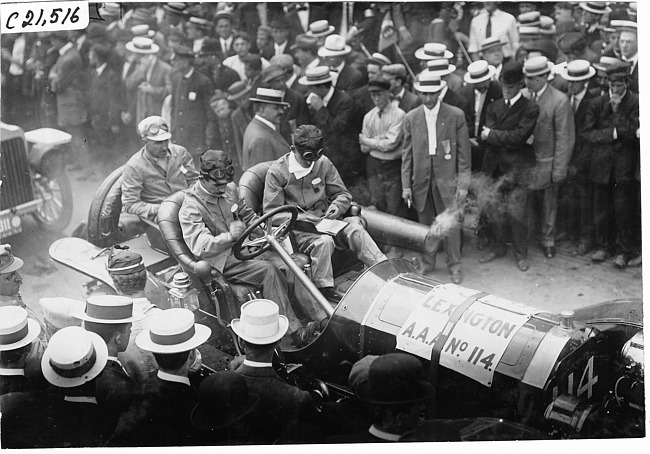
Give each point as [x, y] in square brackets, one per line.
[159, 137]
[201, 334]
[238, 95]
[33, 330]
[83, 316]
[491, 72]
[429, 89]
[324, 52]
[565, 75]
[549, 68]
[444, 72]
[421, 55]
[283, 323]
[266, 101]
[15, 266]
[131, 48]
[492, 46]
[101, 352]
[202, 423]
[586, 7]
[304, 81]
[327, 32]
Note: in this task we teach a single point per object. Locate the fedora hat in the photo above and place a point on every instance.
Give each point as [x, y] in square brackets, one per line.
[440, 66]
[536, 66]
[334, 47]
[320, 28]
[280, 23]
[378, 59]
[260, 322]
[433, 50]
[237, 90]
[8, 262]
[272, 72]
[223, 399]
[269, 96]
[429, 82]
[596, 7]
[73, 357]
[578, 70]
[512, 73]
[479, 71]
[142, 45]
[491, 42]
[620, 70]
[316, 76]
[16, 329]
[210, 46]
[154, 128]
[172, 331]
[109, 309]
[394, 379]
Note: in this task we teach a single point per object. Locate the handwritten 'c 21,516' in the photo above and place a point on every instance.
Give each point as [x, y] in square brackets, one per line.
[43, 16]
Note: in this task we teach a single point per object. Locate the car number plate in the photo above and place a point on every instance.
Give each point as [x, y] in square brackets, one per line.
[10, 224]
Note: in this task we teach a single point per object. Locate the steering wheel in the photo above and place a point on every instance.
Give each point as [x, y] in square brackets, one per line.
[259, 246]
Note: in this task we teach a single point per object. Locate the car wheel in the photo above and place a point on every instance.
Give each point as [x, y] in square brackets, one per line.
[55, 212]
[104, 213]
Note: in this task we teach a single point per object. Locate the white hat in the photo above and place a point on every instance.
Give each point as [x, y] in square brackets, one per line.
[58, 311]
[142, 45]
[428, 82]
[320, 28]
[578, 70]
[16, 329]
[316, 76]
[172, 331]
[73, 357]
[440, 66]
[596, 7]
[260, 322]
[536, 66]
[334, 46]
[479, 71]
[142, 30]
[109, 309]
[154, 128]
[433, 50]
[269, 96]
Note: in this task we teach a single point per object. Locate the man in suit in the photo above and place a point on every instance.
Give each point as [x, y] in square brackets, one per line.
[259, 329]
[296, 113]
[436, 164]
[333, 53]
[332, 111]
[305, 52]
[553, 143]
[281, 34]
[242, 116]
[291, 73]
[19, 332]
[628, 42]
[110, 317]
[300, 14]
[193, 122]
[262, 139]
[223, 27]
[209, 62]
[575, 212]
[611, 129]
[401, 96]
[509, 123]
[481, 91]
[159, 415]
[442, 68]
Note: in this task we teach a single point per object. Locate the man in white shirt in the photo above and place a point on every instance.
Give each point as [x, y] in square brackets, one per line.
[223, 27]
[493, 22]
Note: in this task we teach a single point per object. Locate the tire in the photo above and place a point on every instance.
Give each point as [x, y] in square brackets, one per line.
[56, 210]
[104, 213]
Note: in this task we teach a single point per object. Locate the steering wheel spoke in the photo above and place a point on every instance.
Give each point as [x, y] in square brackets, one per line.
[257, 246]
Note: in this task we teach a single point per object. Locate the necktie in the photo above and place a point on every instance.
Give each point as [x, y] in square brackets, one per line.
[508, 103]
[380, 113]
[488, 28]
[574, 103]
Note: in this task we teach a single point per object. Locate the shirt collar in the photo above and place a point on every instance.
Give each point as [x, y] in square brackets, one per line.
[173, 378]
[515, 99]
[226, 40]
[580, 95]
[266, 122]
[401, 93]
[100, 69]
[339, 68]
[296, 169]
[328, 96]
[609, 92]
[65, 48]
[443, 92]
[205, 194]
[81, 399]
[12, 372]
[291, 79]
[383, 435]
[250, 363]
[280, 47]
[189, 73]
[114, 358]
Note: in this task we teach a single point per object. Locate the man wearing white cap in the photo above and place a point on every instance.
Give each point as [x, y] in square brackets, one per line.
[436, 164]
[156, 171]
[259, 329]
[17, 332]
[553, 142]
[333, 54]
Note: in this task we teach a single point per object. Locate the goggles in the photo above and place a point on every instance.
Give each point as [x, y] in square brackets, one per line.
[221, 173]
[310, 155]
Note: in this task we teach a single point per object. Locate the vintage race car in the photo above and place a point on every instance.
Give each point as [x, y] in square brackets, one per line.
[575, 374]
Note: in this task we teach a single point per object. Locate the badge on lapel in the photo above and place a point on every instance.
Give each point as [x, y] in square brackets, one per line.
[446, 147]
[191, 96]
[314, 184]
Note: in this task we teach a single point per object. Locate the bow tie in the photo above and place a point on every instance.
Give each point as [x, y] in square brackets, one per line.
[302, 7]
[334, 70]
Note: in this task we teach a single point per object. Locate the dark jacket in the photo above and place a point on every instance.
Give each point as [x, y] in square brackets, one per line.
[409, 101]
[454, 99]
[297, 111]
[349, 79]
[114, 390]
[493, 93]
[105, 99]
[581, 157]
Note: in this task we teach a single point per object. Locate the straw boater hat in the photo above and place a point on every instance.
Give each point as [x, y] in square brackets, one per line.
[143, 30]
[109, 309]
[142, 45]
[529, 19]
[578, 70]
[9, 262]
[433, 50]
[199, 22]
[428, 82]
[378, 59]
[536, 66]
[529, 32]
[179, 8]
[316, 76]
[440, 66]
[479, 71]
[605, 62]
[319, 29]
[334, 46]
[237, 90]
[491, 42]
[596, 7]
[172, 331]
[547, 26]
[59, 311]
[73, 357]
[624, 25]
[268, 96]
[16, 329]
[260, 322]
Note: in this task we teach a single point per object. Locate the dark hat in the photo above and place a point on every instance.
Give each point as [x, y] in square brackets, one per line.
[210, 46]
[378, 85]
[237, 90]
[263, 30]
[512, 73]
[618, 71]
[572, 42]
[179, 35]
[184, 51]
[360, 371]
[124, 262]
[272, 72]
[306, 42]
[281, 23]
[395, 378]
[223, 399]
[217, 165]
[121, 35]
[544, 45]
[95, 31]
[566, 26]
[253, 60]
[8, 262]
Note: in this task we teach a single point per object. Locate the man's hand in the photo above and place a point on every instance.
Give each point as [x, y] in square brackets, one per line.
[461, 194]
[315, 101]
[146, 87]
[332, 212]
[407, 195]
[126, 117]
[473, 142]
[236, 229]
[485, 132]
